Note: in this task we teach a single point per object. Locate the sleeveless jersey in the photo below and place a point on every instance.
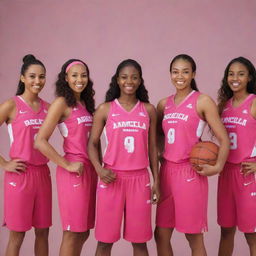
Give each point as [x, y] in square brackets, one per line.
[75, 131]
[22, 132]
[182, 127]
[241, 127]
[127, 137]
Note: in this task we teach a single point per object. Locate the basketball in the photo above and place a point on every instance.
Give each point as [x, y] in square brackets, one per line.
[204, 152]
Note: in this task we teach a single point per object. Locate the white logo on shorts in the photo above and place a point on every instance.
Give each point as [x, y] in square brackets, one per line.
[13, 184]
[103, 186]
[253, 194]
[191, 179]
[76, 185]
[248, 183]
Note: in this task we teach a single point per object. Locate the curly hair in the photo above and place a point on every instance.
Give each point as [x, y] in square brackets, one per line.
[114, 90]
[28, 60]
[193, 66]
[225, 93]
[63, 90]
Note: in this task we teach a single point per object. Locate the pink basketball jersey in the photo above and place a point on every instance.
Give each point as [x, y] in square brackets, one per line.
[182, 127]
[241, 127]
[22, 131]
[75, 131]
[127, 137]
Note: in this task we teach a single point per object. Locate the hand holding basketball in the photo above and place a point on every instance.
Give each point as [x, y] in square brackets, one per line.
[203, 158]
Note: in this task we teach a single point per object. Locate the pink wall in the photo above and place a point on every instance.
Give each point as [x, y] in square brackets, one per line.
[103, 33]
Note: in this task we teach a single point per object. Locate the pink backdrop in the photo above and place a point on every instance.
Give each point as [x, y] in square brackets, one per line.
[103, 33]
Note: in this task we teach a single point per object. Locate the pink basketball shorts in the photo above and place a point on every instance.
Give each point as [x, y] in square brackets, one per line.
[28, 199]
[129, 196]
[237, 199]
[76, 195]
[184, 198]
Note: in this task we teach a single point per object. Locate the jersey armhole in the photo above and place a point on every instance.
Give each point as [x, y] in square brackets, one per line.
[111, 105]
[16, 110]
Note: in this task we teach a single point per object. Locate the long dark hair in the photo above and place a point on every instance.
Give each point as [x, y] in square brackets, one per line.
[63, 90]
[193, 66]
[225, 93]
[28, 60]
[114, 90]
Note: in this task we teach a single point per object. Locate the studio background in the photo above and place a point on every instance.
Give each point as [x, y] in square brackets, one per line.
[103, 33]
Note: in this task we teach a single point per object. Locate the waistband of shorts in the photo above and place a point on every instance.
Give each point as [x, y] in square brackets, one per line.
[76, 158]
[181, 164]
[36, 166]
[124, 173]
[252, 159]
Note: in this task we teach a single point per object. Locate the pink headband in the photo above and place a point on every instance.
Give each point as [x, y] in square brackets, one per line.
[72, 64]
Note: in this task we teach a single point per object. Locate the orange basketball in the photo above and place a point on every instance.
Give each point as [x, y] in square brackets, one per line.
[204, 152]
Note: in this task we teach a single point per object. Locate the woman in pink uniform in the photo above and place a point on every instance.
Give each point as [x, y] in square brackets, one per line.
[184, 191]
[237, 182]
[124, 187]
[76, 178]
[27, 182]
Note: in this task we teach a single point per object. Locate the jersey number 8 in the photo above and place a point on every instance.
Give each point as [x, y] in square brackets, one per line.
[171, 135]
[129, 144]
[233, 140]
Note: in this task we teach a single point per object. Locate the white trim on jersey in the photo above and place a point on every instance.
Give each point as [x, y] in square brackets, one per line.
[10, 132]
[200, 128]
[253, 152]
[106, 140]
[63, 129]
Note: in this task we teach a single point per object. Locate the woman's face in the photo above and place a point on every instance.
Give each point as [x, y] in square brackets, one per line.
[128, 80]
[34, 78]
[77, 78]
[182, 74]
[238, 77]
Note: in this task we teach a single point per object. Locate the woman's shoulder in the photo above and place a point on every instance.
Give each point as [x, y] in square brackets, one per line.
[8, 105]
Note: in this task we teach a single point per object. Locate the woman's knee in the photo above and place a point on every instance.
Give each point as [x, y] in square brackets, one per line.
[16, 238]
[251, 239]
[163, 234]
[228, 232]
[42, 232]
[74, 237]
[104, 246]
[139, 246]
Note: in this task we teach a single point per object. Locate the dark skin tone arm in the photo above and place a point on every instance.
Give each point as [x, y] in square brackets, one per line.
[99, 120]
[152, 148]
[250, 167]
[7, 114]
[160, 133]
[58, 112]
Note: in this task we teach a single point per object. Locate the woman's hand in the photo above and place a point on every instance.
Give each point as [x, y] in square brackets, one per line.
[77, 167]
[15, 165]
[248, 168]
[207, 170]
[155, 193]
[106, 176]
